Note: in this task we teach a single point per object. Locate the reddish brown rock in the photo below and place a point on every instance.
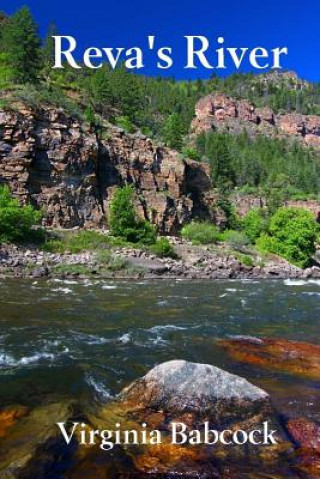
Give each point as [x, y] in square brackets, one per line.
[312, 123]
[265, 115]
[291, 124]
[246, 111]
[307, 436]
[244, 203]
[179, 391]
[50, 159]
[311, 205]
[47, 158]
[278, 354]
[223, 113]
[9, 417]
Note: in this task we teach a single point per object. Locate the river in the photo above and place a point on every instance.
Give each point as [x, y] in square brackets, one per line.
[89, 339]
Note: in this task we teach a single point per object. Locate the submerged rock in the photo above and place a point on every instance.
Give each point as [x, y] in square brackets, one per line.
[10, 416]
[32, 445]
[307, 435]
[277, 354]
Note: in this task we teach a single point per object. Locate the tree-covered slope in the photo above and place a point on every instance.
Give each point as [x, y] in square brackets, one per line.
[164, 109]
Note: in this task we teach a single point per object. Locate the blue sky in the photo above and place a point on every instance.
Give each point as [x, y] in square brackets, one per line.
[243, 23]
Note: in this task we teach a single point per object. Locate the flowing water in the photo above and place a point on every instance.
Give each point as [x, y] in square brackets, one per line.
[89, 339]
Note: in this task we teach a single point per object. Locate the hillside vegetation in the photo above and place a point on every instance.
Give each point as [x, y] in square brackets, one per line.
[163, 109]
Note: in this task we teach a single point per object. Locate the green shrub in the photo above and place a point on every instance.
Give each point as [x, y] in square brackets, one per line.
[266, 244]
[4, 102]
[53, 246]
[163, 248]
[76, 269]
[111, 262]
[77, 242]
[200, 232]
[125, 123]
[125, 223]
[89, 116]
[292, 235]
[117, 263]
[233, 220]
[17, 222]
[103, 256]
[6, 74]
[254, 224]
[236, 239]
[192, 154]
[245, 259]
[36, 97]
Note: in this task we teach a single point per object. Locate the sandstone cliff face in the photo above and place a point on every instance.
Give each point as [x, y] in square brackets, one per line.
[58, 164]
[222, 113]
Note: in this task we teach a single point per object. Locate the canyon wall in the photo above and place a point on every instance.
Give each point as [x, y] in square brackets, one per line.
[53, 161]
[59, 164]
[222, 113]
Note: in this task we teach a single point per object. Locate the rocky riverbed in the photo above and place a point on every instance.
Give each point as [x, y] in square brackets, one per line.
[192, 262]
[176, 395]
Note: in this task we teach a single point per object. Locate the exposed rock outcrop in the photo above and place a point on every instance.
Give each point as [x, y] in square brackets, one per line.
[223, 113]
[59, 164]
[47, 158]
[244, 203]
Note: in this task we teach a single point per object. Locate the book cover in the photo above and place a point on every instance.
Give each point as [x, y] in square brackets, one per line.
[159, 240]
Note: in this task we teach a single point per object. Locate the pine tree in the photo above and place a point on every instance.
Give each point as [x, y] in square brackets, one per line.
[48, 50]
[126, 89]
[3, 25]
[5, 70]
[125, 223]
[217, 150]
[100, 91]
[22, 44]
[173, 131]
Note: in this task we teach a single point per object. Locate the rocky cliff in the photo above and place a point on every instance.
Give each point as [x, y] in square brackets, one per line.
[59, 164]
[245, 203]
[62, 166]
[223, 113]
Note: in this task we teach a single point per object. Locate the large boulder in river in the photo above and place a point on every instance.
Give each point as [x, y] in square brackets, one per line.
[180, 387]
[194, 395]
